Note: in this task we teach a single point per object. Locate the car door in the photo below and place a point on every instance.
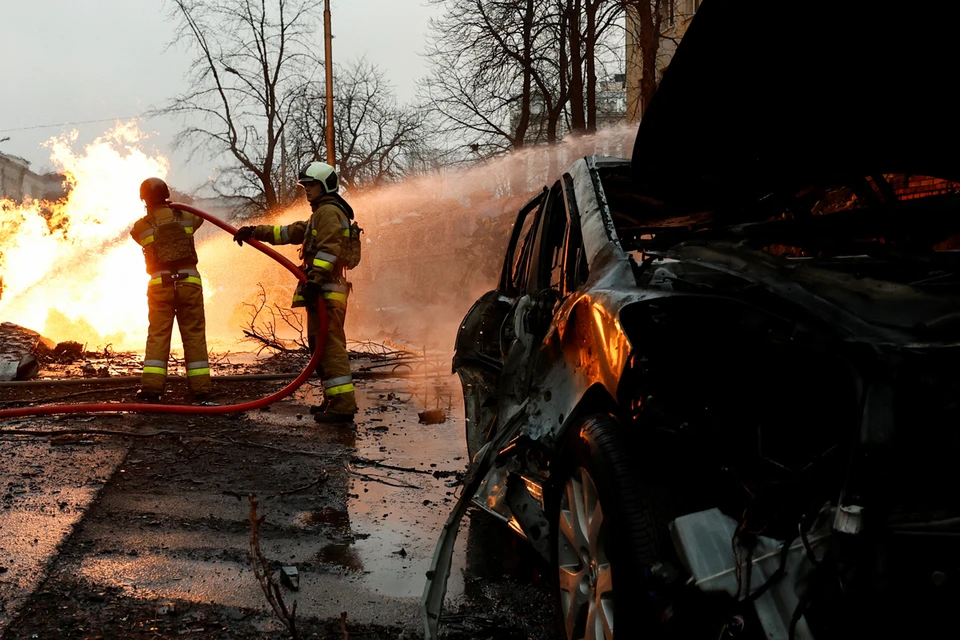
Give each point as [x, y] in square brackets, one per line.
[478, 356]
[546, 283]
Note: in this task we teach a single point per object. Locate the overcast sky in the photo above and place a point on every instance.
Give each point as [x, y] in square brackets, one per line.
[80, 60]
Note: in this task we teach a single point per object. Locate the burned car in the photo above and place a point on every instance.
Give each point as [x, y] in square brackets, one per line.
[718, 387]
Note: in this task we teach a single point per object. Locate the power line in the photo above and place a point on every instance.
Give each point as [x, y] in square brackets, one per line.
[63, 124]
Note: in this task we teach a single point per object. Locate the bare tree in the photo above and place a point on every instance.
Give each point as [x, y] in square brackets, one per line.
[578, 115]
[654, 28]
[494, 72]
[644, 17]
[513, 73]
[587, 27]
[600, 18]
[252, 58]
[374, 135]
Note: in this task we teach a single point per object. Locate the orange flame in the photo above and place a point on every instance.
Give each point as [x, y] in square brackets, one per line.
[69, 269]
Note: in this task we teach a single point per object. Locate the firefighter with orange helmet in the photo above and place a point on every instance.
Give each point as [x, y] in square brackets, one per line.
[174, 292]
[330, 246]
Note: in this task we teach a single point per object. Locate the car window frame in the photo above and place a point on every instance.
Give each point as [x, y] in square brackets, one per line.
[534, 206]
[574, 239]
[539, 278]
[572, 249]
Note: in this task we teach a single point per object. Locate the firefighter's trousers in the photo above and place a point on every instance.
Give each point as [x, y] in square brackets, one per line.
[183, 301]
[334, 369]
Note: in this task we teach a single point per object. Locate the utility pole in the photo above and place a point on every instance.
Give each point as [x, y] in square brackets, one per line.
[328, 63]
[283, 167]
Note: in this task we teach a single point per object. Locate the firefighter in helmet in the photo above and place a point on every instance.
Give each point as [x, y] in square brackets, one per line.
[327, 250]
[174, 291]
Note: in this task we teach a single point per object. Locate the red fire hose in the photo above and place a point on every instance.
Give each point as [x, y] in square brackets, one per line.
[193, 409]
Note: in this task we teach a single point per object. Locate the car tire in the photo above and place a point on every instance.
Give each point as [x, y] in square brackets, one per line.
[606, 540]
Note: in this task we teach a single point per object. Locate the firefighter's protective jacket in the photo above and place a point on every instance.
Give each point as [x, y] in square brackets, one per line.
[323, 237]
[144, 232]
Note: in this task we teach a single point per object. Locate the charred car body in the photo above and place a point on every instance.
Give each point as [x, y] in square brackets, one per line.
[717, 385]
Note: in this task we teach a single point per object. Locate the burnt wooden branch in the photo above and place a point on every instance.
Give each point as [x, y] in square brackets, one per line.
[57, 399]
[390, 482]
[343, 625]
[321, 478]
[298, 452]
[383, 465]
[265, 575]
[265, 332]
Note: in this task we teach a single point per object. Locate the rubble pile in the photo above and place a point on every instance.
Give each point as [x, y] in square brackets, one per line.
[17, 352]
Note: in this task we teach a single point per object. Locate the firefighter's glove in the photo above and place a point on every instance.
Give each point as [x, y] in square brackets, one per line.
[243, 233]
[311, 292]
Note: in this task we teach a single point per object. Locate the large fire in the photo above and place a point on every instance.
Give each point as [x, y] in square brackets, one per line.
[69, 269]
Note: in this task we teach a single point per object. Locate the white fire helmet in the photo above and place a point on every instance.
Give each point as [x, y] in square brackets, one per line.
[320, 172]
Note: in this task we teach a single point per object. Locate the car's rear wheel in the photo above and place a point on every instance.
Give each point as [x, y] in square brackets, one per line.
[606, 540]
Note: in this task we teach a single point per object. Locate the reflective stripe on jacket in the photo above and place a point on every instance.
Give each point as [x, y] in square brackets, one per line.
[322, 238]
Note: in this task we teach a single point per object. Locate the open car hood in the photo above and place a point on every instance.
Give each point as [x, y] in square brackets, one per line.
[763, 97]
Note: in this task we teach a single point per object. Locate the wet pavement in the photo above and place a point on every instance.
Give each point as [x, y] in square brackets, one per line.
[46, 486]
[164, 550]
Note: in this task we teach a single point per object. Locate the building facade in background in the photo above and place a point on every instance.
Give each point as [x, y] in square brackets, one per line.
[18, 182]
[673, 17]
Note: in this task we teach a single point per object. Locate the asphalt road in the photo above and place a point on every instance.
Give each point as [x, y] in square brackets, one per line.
[149, 537]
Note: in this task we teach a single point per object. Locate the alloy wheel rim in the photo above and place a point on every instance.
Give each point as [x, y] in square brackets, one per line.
[586, 585]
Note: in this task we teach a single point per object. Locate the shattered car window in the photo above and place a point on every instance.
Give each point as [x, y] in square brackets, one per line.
[521, 258]
[549, 247]
[575, 260]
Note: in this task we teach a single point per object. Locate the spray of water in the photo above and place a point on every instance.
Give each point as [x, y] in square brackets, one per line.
[431, 244]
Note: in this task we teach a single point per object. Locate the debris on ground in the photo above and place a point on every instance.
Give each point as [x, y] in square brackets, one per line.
[68, 351]
[18, 347]
[290, 577]
[390, 357]
[324, 490]
[265, 577]
[432, 416]
[90, 371]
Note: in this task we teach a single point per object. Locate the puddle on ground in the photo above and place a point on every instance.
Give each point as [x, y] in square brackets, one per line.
[395, 517]
[341, 555]
[338, 519]
[369, 559]
[385, 540]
